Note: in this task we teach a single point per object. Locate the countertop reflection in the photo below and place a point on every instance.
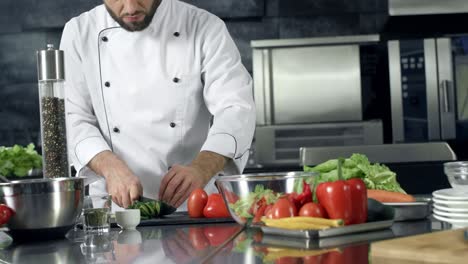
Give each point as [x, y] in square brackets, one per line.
[152, 244]
[206, 243]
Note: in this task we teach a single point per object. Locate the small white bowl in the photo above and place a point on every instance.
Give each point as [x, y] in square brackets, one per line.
[129, 237]
[128, 218]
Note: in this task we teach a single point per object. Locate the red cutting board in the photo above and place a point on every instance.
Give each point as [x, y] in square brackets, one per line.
[438, 247]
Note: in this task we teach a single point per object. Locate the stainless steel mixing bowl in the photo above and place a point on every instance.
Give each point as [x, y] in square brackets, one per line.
[43, 203]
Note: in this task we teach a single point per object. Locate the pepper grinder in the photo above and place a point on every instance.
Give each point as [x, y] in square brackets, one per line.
[51, 78]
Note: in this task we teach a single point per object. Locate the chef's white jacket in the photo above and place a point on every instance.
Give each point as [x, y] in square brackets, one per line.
[149, 96]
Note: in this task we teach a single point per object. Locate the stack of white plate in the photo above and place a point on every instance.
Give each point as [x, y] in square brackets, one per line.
[451, 206]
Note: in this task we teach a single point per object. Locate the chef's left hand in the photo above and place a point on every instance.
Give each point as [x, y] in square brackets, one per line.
[179, 182]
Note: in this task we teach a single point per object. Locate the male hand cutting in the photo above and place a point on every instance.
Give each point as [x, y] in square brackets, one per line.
[122, 184]
[180, 181]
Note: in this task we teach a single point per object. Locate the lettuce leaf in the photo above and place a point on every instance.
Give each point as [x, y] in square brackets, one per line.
[375, 176]
[243, 205]
[18, 160]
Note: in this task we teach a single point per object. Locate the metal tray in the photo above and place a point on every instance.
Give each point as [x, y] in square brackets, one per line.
[334, 231]
[336, 241]
[420, 209]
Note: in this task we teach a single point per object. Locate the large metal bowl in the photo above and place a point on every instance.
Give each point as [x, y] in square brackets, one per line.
[43, 204]
[239, 187]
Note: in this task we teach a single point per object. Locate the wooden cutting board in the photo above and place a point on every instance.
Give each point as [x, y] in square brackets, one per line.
[438, 247]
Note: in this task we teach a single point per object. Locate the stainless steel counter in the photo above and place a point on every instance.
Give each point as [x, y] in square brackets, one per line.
[221, 243]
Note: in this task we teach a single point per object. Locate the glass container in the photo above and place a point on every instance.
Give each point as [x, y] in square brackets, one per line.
[51, 78]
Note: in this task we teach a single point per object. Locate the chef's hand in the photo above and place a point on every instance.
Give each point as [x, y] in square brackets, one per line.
[122, 184]
[178, 248]
[180, 181]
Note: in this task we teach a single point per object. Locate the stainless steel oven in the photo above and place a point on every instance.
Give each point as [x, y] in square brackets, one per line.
[309, 92]
[429, 88]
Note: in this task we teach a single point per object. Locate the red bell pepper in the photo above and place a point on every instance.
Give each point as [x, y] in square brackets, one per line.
[215, 207]
[335, 197]
[344, 199]
[359, 200]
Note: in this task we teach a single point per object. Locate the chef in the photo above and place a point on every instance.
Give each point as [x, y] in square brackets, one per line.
[157, 100]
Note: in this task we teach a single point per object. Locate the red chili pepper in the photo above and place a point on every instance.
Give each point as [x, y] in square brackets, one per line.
[5, 214]
[359, 200]
[260, 212]
[335, 197]
[305, 196]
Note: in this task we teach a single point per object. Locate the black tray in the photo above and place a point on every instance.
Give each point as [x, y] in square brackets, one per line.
[180, 218]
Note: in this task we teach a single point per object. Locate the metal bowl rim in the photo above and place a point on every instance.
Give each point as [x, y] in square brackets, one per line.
[43, 180]
[263, 176]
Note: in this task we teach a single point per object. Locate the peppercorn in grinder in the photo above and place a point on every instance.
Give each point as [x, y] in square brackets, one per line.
[51, 78]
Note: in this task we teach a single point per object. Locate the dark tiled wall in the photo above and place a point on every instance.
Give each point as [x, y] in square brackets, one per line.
[28, 25]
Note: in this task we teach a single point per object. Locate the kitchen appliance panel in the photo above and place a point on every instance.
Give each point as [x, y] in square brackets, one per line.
[425, 7]
[280, 145]
[396, 91]
[428, 87]
[432, 89]
[446, 88]
[324, 80]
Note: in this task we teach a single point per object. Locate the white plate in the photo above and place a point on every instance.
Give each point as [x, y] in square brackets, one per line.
[444, 208]
[455, 222]
[451, 204]
[451, 194]
[451, 215]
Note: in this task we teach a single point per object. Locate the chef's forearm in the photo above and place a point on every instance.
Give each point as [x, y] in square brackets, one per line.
[103, 161]
[209, 163]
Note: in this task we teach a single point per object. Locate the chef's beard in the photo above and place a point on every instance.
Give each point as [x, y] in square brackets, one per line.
[136, 26]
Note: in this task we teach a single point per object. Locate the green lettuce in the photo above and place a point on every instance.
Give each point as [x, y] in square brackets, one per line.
[18, 160]
[243, 205]
[375, 176]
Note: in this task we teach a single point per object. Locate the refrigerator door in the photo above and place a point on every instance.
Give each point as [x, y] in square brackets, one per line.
[447, 106]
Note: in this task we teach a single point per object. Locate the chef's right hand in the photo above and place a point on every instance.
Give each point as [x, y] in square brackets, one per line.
[122, 184]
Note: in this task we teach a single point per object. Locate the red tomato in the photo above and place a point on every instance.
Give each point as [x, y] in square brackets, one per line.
[215, 207]
[198, 238]
[196, 202]
[313, 210]
[5, 214]
[219, 234]
[283, 208]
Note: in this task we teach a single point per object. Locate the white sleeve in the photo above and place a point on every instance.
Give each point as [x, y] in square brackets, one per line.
[84, 137]
[228, 95]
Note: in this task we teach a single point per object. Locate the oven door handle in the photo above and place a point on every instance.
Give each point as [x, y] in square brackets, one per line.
[445, 87]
